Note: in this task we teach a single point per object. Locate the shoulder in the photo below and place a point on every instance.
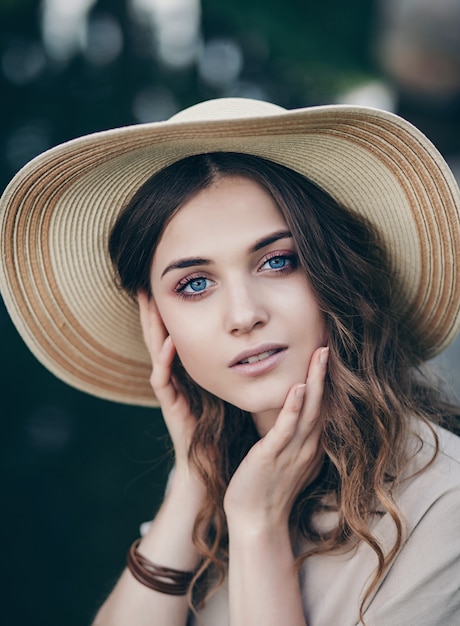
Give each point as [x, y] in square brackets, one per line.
[449, 447]
[434, 457]
[431, 479]
[431, 486]
[421, 585]
[449, 443]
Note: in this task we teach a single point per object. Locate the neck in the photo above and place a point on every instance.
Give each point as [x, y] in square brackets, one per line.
[264, 421]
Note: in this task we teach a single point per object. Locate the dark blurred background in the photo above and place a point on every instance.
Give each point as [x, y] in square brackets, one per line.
[80, 474]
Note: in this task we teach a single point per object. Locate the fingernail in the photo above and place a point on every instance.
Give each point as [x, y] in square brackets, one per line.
[324, 356]
[300, 391]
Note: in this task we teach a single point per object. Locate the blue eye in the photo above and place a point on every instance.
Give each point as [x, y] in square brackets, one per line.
[197, 284]
[193, 287]
[277, 262]
[280, 262]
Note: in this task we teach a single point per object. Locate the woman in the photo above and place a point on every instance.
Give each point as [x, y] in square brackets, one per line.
[286, 320]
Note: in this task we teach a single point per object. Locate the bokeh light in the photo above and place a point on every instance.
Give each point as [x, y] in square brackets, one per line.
[175, 28]
[64, 27]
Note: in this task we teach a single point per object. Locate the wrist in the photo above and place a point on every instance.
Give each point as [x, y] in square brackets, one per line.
[185, 486]
[257, 529]
[260, 520]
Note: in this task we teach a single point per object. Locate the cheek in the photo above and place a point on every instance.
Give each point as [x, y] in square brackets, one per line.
[304, 314]
[191, 345]
[197, 355]
[181, 338]
[186, 330]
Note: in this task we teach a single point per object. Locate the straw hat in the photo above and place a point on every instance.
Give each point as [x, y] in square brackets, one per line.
[55, 216]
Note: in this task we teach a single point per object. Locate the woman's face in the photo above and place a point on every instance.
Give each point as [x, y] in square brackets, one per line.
[239, 310]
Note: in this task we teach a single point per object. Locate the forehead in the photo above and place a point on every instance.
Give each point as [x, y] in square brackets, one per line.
[233, 210]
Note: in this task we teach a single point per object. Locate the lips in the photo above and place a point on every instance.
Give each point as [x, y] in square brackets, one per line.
[258, 361]
[256, 354]
[258, 357]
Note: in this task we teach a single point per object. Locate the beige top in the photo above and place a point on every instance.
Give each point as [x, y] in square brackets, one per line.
[422, 586]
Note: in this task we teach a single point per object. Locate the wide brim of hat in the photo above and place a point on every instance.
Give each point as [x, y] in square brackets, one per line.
[56, 278]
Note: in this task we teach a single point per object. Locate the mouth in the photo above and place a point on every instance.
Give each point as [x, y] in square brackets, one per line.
[259, 360]
[258, 357]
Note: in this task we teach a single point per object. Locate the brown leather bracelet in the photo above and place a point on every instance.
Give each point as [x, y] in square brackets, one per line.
[163, 579]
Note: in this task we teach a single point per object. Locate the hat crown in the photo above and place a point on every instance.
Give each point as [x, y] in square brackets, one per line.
[56, 276]
[227, 108]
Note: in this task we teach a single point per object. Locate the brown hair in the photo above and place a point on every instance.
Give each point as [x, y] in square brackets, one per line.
[371, 386]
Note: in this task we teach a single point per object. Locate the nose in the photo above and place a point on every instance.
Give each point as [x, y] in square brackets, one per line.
[245, 309]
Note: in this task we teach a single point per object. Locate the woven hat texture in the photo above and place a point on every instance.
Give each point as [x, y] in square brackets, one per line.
[56, 214]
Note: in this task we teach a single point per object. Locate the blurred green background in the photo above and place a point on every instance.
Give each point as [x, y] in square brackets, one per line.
[80, 474]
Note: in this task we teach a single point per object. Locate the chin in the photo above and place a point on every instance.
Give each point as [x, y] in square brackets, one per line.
[265, 397]
[255, 405]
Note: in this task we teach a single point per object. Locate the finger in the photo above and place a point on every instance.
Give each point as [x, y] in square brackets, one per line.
[313, 462]
[163, 362]
[161, 349]
[153, 328]
[161, 380]
[314, 390]
[285, 426]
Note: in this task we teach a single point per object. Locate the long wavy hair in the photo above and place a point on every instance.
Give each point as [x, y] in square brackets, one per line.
[372, 386]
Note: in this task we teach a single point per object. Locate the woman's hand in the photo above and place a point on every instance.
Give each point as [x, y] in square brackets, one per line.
[169, 538]
[263, 489]
[175, 407]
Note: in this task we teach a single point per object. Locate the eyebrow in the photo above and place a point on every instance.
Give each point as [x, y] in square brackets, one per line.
[258, 245]
[189, 262]
[266, 241]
